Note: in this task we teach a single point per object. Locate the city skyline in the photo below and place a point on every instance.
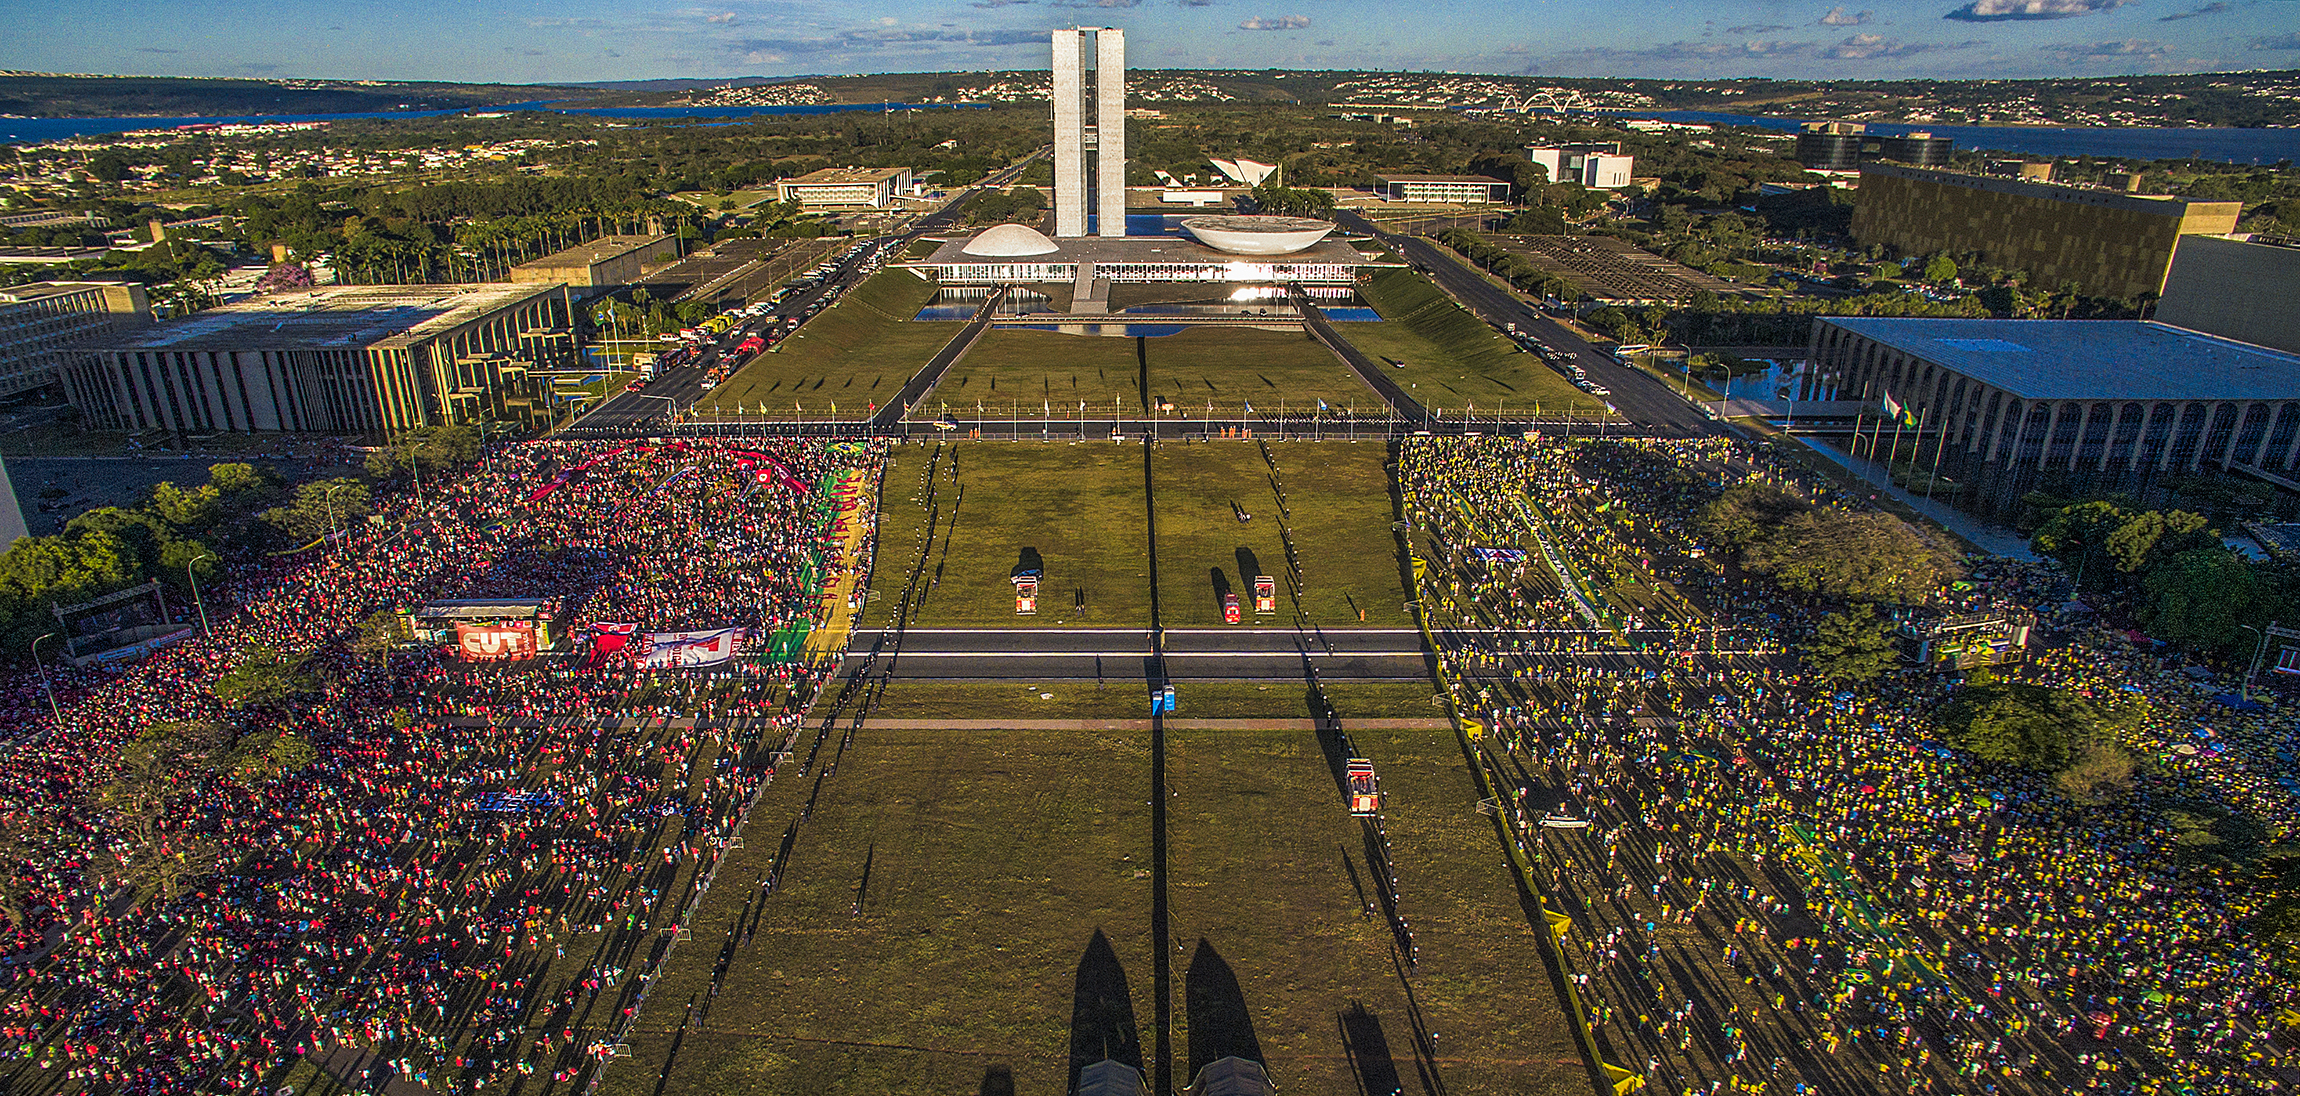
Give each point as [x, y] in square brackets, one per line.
[592, 40]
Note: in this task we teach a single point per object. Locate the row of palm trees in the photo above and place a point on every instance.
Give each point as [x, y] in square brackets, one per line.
[487, 250]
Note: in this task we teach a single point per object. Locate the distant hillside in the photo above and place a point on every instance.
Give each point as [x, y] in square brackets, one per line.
[40, 96]
[686, 84]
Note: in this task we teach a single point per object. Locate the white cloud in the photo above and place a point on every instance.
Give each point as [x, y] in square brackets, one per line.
[1276, 22]
[1996, 11]
[1839, 17]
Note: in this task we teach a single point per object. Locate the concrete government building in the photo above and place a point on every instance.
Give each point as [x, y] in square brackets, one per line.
[2003, 406]
[846, 187]
[45, 328]
[342, 360]
[1072, 179]
[2106, 243]
[601, 266]
[1443, 189]
[2248, 290]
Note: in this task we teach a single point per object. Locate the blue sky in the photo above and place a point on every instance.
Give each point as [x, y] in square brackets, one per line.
[582, 40]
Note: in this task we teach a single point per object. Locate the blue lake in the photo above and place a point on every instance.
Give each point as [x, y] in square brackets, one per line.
[2241, 146]
[51, 129]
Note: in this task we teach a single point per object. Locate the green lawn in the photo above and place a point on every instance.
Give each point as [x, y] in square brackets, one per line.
[1233, 367]
[1269, 873]
[992, 860]
[1077, 505]
[1452, 359]
[1338, 493]
[1130, 700]
[943, 888]
[1025, 372]
[856, 352]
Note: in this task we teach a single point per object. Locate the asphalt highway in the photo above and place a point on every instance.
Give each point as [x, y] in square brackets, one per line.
[1242, 653]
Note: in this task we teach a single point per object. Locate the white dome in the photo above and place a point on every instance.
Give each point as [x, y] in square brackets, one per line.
[1007, 241]
[1258, 235]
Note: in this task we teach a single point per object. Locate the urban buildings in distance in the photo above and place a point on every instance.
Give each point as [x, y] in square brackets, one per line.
[847, 187]
[1845, 146]
[1599, 166]
[341, 360]
[2104, 243]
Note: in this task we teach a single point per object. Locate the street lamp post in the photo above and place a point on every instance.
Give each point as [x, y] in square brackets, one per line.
[332, 528]
[44, 685]
[196, 602]
[2259, 651]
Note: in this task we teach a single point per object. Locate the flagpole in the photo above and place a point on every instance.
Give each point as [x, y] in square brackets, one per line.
[1940, 446]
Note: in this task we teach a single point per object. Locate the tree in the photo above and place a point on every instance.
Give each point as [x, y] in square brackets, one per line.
[165, 762]
[1853, 646]
[378, 634]
[1941, 271]
[316, 508]
[2101, 772]
[2013, 723]
[262, 759]
[1747, 513]
[107, 168]
[1853, 557]
[265, 676]
[2201, 597]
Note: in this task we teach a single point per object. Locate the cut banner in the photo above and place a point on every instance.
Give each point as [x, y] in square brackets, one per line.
[661, 650]
[496, 643]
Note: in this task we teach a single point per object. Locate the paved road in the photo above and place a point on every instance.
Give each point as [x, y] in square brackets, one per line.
[1638, 396]
[1242, 653]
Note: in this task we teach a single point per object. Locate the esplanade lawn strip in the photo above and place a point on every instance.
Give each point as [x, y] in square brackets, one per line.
[923, 925]
[855, 353]
[1448, 359]
[1036, 375]
[1222, 522]
[980, 511]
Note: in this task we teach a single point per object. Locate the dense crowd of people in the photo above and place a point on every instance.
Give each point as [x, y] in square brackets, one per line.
[1785, 885]
[469, 880]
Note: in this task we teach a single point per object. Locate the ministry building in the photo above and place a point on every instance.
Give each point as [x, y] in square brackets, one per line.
[342, 360]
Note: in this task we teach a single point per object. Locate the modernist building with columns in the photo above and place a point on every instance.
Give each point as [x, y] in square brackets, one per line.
[341, 360]
[2005, 406]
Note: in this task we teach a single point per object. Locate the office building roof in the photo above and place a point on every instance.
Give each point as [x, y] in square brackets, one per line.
[21, 294]
[1442, 179]
[838, 175]
[335, 316]
[2090, 359]
[2159, 205]
[597, 251]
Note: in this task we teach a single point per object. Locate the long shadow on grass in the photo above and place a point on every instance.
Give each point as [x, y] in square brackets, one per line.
[1220, 1025]
[1154, 668]
[1102, 1023]
[1369, 1052]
